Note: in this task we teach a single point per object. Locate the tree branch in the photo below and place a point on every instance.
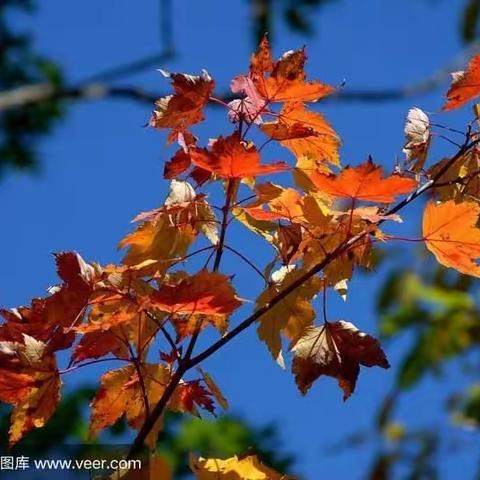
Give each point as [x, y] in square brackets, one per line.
[188, 363]
[98, 90]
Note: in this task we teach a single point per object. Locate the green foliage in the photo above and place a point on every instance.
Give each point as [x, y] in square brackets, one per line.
[219, 438]
[466, 408]
[67, 431]
[438, 309]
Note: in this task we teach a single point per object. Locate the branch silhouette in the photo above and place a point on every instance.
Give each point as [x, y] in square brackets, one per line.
[97, 87]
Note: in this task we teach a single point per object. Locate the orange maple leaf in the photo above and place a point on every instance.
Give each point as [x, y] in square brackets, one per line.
[305, 133]
[337, 350]
[185, 107]
[207, 293]
[231, 157]
[281, 81]
[465, 86]
[283, 203]
[364, 183]
[14, 385]
[450, 233]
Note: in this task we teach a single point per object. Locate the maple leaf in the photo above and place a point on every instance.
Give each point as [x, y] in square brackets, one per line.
[190, 395]
[283, 203]
[98, 344]
[460, 181]
[245, 468]
[207, 293]
[183, 208]
[105, 316]
[291, 316]
[231, 157]
[158, 241]
[121, 394]
[364, 183]
[465, 86]
[264, 228]
[418, 136]
[47, 318]
[305, 133]
[185, 107]
[336, 349]
[37, 398]
[450, 233]
[187, 324]
[280, 81]
[214, 390]
[14, 385]
[287, 240]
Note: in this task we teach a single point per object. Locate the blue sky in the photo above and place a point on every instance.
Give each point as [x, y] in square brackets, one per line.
[101, 167]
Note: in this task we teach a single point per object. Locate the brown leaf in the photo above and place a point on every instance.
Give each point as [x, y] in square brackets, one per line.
[337, 350]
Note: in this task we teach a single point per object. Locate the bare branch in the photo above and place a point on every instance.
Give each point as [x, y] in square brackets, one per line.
[37, 93]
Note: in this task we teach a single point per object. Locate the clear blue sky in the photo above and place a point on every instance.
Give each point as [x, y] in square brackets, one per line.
[101, 168]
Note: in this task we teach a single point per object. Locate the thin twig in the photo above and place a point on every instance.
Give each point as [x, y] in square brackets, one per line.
[247, 261]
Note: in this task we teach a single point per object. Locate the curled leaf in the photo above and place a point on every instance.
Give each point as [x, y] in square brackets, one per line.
[337, 350]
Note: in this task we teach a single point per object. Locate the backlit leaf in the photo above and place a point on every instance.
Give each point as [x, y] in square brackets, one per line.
[451, 234]
[337, 350]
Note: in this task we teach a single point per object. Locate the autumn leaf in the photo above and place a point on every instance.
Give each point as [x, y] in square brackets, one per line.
[97, 344]
[231, 157]
[215, 391]
[280, 81]
[185, 107]
[107, 315]
[451, 234]
[264, 228]
[460, 181]
[121, 393]
[188, 324]
[207, 293]
[282, 203]
[304, 133]
[465, 85]
[190, 395]
[47, 319]
[336, 349]
[291, 316]
[14, 385]
[193, 209]
[159, 241]
[244, 468]
[365, 183]
[35, 406]
[418, 136]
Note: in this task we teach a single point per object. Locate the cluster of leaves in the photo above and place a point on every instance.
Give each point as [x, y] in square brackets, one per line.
[20, 65]
[148, 312]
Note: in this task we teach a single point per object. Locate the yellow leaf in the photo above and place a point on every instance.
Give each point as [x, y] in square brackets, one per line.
[291, 316]
[234, 468]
